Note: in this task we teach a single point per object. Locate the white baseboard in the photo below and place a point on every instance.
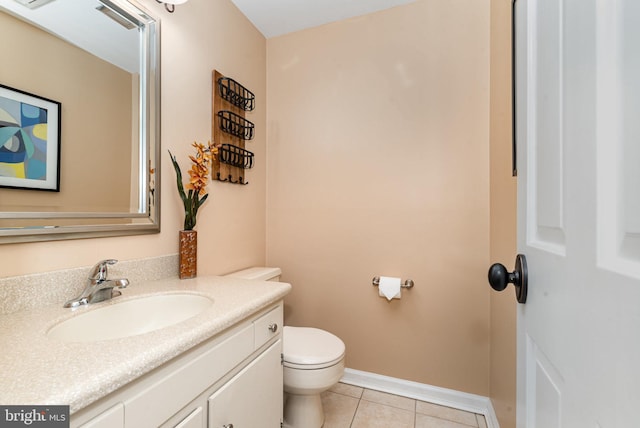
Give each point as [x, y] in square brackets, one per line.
[420, 391]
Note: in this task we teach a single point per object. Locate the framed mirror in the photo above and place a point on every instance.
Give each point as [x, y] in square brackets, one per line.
[82, 75]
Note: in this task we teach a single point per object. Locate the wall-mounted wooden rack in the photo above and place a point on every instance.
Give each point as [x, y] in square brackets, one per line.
[231, 130]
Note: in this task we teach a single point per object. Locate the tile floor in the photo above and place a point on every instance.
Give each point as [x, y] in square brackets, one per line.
[348, 406]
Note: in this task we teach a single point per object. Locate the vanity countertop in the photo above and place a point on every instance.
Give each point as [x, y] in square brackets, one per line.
[38, 370]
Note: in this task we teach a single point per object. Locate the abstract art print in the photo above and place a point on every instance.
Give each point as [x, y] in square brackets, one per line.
[29, 141]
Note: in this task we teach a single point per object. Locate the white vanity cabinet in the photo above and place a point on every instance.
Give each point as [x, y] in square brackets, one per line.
[233, 379]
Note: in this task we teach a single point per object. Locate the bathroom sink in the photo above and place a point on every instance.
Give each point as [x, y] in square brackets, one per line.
[130, 317]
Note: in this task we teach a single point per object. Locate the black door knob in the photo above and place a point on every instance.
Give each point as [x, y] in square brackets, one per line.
[499, 277]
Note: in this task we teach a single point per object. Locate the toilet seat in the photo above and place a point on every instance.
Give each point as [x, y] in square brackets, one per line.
[307, 348]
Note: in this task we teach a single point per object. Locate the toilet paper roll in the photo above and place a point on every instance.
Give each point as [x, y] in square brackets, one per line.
[389, 287]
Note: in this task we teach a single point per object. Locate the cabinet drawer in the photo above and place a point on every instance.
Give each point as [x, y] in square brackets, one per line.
[111, 418]
[267, 326]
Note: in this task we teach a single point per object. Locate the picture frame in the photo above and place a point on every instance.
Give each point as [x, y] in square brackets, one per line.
[29, 141]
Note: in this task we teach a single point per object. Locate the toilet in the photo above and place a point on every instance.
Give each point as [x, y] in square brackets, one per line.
[313, 362]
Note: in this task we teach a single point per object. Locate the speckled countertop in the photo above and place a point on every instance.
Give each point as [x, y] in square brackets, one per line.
[38, 370]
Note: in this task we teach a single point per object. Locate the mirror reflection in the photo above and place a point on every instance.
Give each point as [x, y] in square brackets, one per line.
[98, 60]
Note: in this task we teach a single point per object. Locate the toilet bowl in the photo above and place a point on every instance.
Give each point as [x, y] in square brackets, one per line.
[313, 361]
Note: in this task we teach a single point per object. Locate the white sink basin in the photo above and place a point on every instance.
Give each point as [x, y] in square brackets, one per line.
[130, 317]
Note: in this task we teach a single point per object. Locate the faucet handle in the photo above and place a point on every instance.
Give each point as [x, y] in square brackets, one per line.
[99, 270]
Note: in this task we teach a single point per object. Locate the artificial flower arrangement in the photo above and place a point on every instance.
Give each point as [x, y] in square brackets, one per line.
[199, 177]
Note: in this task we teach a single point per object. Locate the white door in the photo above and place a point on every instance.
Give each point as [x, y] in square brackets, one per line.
[578, 133]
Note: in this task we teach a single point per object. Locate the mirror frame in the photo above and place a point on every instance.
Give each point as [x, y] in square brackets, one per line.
[147, 220]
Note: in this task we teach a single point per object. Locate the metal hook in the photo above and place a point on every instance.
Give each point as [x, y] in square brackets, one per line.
[166, 6]
[230, 179]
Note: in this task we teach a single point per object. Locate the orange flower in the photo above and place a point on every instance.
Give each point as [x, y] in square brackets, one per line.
[199, 172]
[198, 179]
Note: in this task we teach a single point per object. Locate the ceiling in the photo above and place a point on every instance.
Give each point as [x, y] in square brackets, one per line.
[69, 19]
[277, 17]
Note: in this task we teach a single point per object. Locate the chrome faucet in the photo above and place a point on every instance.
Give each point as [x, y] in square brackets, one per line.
[99, 287]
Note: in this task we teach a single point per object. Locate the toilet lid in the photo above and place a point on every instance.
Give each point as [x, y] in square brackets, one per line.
[311, 346]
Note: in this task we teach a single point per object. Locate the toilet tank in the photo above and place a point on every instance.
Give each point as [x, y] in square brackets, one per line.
[259, 273]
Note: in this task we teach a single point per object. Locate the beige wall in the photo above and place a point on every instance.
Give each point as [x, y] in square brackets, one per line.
[378, 164]
[503, 218]
[197, 38]
[88, 89]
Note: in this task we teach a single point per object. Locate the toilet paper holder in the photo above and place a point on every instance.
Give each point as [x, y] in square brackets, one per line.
[406, 284]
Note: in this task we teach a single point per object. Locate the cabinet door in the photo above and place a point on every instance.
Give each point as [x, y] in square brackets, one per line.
[252, 398]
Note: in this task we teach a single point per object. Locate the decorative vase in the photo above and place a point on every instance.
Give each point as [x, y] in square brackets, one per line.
[188, 254]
